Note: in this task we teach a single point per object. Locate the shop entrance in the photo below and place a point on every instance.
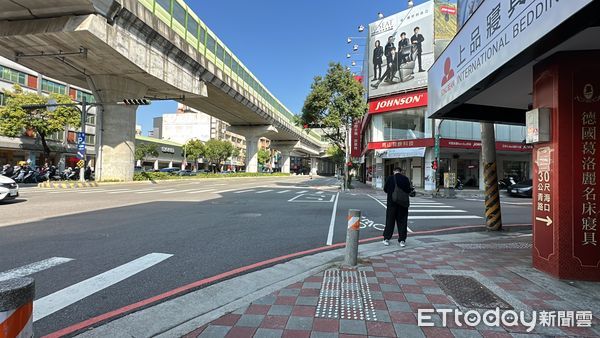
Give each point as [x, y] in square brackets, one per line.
[468, 173]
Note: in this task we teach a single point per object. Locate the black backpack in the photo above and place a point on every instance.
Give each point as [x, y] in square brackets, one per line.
[400, 196]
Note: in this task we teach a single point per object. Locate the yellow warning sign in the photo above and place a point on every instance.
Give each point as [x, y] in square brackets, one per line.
[81, 163]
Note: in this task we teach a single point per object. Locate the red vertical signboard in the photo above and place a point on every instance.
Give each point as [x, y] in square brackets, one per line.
[586, 109]
[542, 202]
[356, 139]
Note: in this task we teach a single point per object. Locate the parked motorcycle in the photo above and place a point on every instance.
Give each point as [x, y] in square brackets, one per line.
[506, 182]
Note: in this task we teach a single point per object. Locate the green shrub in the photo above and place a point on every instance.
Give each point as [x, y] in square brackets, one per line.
[159, 176]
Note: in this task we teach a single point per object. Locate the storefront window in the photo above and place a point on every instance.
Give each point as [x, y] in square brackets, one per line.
[53, 87]
[404, 125]
[519, 170]
[13, 76]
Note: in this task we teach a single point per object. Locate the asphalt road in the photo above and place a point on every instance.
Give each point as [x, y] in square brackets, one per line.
[104, 248]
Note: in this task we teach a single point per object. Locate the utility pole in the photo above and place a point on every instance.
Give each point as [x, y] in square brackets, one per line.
[81, 143]
[493, 212]
[346, 171]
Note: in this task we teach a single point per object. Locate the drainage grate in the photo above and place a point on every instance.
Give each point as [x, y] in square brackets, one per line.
[469, 293]
[345, 295]
[515, 245]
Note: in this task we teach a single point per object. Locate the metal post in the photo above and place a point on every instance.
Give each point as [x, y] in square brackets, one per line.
[352, 237]
[83, 118]
[346, 174]
[493, 212]
[16, 307]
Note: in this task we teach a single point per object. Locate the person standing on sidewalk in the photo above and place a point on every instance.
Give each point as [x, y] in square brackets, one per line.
[396, 214]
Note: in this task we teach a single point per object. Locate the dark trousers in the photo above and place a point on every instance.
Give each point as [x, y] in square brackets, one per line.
[389, 65]
[376, 66]
[419, 60]
[396, 215]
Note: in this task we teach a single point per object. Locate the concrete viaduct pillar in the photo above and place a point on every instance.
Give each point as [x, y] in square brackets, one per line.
[253, 135]
[117, 129]
[286, 148]
[314, 166]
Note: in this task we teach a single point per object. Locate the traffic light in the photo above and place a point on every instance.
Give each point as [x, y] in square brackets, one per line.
[136, 102]
[434, 165]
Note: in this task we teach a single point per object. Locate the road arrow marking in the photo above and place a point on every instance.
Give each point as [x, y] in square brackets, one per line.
[546, 220]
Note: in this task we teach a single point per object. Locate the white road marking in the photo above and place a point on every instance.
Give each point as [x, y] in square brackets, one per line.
[437, 211]
[262, 192]
[178, 191]
[319, 192]
[408, 229]
[59, 300]
[302, 192]
[153, 191]
[516, 203]
[474, 199]
[120, 191]
[243, 191]
[293, 198]
[444, 217]
[429, 206]
[332, 222]
[198, 191]
[417, 203]
[93, 191]
[283, 191]
[32, 268]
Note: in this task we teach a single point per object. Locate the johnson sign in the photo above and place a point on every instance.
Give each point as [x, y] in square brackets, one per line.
[398, 102]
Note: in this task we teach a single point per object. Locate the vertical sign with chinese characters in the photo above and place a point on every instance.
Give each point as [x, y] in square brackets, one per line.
[542, 201]
[586, 122]
[356, 138]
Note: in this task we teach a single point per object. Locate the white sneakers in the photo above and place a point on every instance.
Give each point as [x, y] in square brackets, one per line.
[402, 244]
[386, 242]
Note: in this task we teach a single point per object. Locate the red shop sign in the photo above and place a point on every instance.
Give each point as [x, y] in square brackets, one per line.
[398, 102]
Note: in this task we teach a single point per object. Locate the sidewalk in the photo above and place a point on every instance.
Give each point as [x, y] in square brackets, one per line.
[382, 298]
[359, 187]
[313, 297]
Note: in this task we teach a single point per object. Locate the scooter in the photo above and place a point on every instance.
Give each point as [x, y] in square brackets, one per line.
[459, 184]
[506, 182]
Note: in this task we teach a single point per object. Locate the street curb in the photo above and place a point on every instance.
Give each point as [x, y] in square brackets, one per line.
[183, 314]
[67, 185]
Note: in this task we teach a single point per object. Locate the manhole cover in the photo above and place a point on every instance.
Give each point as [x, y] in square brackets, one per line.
[515, 245]
[469, 293]
[345, 295]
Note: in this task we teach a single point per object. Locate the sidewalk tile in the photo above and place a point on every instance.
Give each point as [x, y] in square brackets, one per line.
[215, 331]
[289, 292]
[241, 310]
[411, 289]
[227, 320]
[377, 295]
[309, 292]
[195, 333]
[266, 300]
[343, 335]
[304, 311]
[285, 300]
[250, 320]
[317, 334]
[280, 310]
[403, 317]
[295, 334]
[438, 299]
[380, 305]
[390, 288]
[437, 332]
[274, 322]
[398, 306]
[257, 309]
[495, 334]
[326, 325]
[299, 323]
[383, 316]
[380, 329]
[353, 326]
[310, 301]
[241, 332]
[416, 298]
[268, 333]
[460, 333]
[311, 285]
[407, 330]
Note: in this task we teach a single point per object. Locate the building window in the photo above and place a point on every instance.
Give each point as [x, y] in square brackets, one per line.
[210, 43]
[227, 59]
[90, 139]
[404, 125]
[192, 26]
[89, 98]
[57, 136]
[179, 13]
[201, 35]
[165, 4]
[220, 51]
[12, 75]
[90, 119]
[53, 87]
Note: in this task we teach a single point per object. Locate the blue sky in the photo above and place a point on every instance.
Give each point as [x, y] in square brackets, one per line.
[284, 43]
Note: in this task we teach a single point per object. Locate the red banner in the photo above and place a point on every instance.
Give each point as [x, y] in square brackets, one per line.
[398, 102]
[355, 150]
[468, 144]
[423, 142]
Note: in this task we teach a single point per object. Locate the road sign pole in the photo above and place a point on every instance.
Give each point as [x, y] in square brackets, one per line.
[352, 233]
[81, 148]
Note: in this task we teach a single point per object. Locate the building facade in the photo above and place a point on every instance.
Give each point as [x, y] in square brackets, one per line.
[396, 131]
[63, 144]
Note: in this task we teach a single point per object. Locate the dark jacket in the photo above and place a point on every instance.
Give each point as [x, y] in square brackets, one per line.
[388, 48]
[418, 40]
[378, 55]
[403, 183]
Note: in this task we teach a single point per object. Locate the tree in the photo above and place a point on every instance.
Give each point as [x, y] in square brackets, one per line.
[218, 151]
[194, 150]
[145, 150]
[14, 120]
[334, 103]
[337, 155]
[264, 155]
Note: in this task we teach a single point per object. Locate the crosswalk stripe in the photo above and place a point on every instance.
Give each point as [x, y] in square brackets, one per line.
[302, 192]
[153, 191]
[417, 203]
[438, 211]
[120, 191]
[32, 268]
[444, 217]
[93, 191]
[243, 191]
[198, 191]
[54, 302]
[178, 191]
[283, 191]
[430, 206]
[262, 192]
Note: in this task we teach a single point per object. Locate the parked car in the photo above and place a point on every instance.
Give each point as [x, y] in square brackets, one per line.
[172, 171]
[8, 189]
[523, 188]
[186, 173]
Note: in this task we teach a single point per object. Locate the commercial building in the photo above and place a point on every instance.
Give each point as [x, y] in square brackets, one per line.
[535, 63]
[63, 144]
[170, 154]
[396, 131]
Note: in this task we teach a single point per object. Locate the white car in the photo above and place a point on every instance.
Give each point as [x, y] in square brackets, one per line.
[8, 189]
